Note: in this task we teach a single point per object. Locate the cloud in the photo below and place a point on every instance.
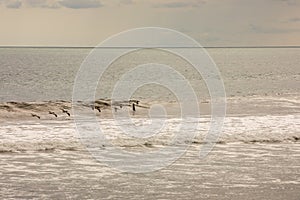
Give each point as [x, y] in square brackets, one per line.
[288, 2]
[42, 3]
[36, 3]
[126, 2]
[78, 4]
[268, 30]
[73, 4]
[13, 4]
[295, 19]
[180, 4]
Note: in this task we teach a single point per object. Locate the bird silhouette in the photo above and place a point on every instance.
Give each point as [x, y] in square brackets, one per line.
[98, 108]
[52, 113]
[34, 115]
[134, 101]
[65, 111]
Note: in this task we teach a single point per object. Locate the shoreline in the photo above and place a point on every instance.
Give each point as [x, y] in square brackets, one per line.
[105, 108]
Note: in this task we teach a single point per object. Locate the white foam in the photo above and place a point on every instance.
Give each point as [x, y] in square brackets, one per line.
[28, 136]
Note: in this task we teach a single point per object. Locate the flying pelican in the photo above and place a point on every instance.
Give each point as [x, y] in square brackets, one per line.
[52, 113]
[65, 111]
[34, 115]
[98, 108]
[134, 101]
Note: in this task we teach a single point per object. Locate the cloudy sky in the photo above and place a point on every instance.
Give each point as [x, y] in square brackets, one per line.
[88, 22]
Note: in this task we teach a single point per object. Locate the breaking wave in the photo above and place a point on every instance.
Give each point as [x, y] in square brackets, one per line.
[62, 135]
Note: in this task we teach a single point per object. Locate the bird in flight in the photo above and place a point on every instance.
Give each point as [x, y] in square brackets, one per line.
[34, 115]
[52, 113]
[98, 108]
[65, 111]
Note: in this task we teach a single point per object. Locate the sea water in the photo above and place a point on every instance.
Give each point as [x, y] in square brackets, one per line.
[257, 155]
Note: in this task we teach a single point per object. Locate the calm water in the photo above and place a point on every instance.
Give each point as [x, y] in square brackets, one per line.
[257, 156]
[33, 74]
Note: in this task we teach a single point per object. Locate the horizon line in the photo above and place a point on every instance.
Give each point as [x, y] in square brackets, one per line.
[131, 47]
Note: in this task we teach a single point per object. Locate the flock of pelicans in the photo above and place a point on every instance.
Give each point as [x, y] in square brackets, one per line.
[52, 113]
[134, 103]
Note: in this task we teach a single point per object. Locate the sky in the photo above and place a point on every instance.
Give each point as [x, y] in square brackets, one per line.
[210, 22]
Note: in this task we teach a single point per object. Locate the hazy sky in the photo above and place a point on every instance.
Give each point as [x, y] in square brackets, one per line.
[88, 22]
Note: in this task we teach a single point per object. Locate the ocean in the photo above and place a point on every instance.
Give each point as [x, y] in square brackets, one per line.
[44, 154]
